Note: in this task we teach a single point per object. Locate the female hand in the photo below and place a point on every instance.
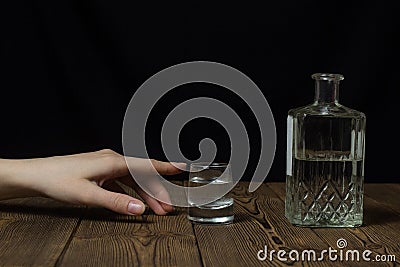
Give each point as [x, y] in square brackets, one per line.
[85, 179]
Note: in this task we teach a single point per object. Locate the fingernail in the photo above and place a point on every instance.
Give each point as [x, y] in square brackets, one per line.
[135, 208]
[167, 207]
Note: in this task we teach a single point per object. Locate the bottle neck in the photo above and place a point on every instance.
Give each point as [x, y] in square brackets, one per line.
[326, 92]
[327, 88]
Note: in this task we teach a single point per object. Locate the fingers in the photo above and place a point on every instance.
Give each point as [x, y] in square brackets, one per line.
[146, 170]
[168, 168]
[141, 166]
[158, 191]
[117, 202]
[159, 208]
[125, 204]
[113, 186]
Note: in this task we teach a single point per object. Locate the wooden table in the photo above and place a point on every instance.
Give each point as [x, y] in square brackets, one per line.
[42, 232]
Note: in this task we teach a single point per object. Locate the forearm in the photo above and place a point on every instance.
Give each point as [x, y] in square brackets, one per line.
[13, 185]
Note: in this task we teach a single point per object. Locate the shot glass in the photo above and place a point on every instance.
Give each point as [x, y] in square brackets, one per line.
[212, 206]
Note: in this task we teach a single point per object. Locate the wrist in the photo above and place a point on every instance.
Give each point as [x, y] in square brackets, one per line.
[13, 184]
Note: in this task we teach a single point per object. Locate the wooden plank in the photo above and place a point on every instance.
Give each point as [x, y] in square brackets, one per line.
[259, 221]
[279, 189]
[107, 239]
[386, 194]
[379, 233]
[115, 240]
[34, 231]
[381, 229]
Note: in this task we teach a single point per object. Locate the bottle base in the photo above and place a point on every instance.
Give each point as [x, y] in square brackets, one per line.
[325, 224]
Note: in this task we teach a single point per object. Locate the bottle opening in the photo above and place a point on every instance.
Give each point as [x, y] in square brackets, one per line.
[327, 76]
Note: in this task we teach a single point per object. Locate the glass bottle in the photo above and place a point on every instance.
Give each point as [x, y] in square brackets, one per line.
[325, 160]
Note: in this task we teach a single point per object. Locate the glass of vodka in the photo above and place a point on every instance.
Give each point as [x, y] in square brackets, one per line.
[214, 205]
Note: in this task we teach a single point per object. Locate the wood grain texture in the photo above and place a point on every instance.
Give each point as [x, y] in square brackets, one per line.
[386, 194]
[107, 239]
[34, 231]
[379, 232]
[259, 221]
[42, 232]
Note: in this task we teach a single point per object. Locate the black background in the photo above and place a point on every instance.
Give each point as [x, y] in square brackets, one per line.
[70, 68]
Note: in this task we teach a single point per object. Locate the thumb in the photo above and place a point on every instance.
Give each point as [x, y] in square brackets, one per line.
[116, 202]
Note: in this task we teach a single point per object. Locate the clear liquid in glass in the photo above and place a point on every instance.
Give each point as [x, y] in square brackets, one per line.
[219, 211]
[326, 193]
